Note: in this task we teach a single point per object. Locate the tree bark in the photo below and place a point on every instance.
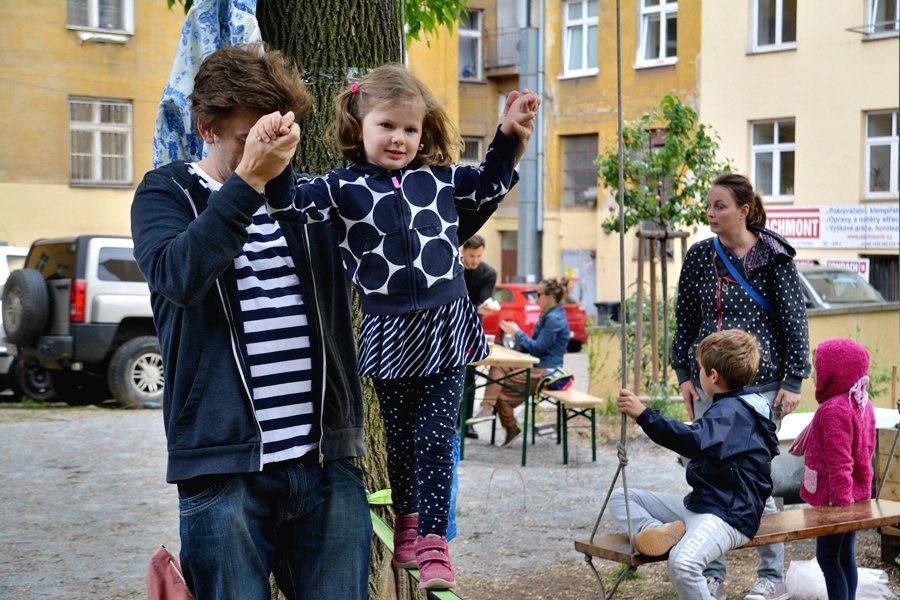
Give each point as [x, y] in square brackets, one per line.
[332, 42]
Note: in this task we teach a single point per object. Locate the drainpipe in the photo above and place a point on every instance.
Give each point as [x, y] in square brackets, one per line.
[527, 266]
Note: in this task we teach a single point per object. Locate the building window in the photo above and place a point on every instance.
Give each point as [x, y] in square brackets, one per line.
[882, 154]
[659, 32]
[471, 153]
[470, 46]
[579, 172]
[99, 141]
[883, 17]
[773, 159]
[775, 24]
[580, 51]
[111, 15]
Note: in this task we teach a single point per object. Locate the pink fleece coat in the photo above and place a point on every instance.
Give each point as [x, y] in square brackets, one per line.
[841, 441]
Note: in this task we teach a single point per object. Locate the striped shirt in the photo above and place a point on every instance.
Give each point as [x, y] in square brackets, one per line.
[276, 334]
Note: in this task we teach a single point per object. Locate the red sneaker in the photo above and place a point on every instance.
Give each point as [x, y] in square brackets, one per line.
[433, 559]
[406, 528]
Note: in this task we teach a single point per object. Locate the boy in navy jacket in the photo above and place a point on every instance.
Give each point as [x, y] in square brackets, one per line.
[730, 450]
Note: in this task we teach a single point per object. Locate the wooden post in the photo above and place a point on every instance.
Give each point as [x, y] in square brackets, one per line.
[654, 315]
[639, 315]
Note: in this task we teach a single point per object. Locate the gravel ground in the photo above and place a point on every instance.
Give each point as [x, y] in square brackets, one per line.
[85, 505]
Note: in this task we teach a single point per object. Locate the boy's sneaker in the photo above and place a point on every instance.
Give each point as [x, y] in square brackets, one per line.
[766, 589]
[405, 531]
[433, 560]
[485, 413]
[656, 541]
[716, 588]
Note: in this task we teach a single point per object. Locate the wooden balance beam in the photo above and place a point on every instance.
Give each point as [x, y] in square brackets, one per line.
[784, 526]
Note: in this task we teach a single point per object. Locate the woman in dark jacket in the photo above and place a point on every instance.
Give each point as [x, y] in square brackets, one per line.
[551, 336]
[712, 298]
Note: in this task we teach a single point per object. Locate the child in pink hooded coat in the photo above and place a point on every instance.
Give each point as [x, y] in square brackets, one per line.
[838, 454]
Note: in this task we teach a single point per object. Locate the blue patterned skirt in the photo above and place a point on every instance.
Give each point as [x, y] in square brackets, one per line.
[421, 343]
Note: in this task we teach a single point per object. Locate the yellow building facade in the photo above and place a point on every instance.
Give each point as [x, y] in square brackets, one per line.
[579, 110]
[806, 103]
[77, 113]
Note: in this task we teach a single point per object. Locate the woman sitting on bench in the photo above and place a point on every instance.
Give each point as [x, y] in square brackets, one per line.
[732, 444]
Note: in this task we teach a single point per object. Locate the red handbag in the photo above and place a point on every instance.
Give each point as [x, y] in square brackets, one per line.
[164, 578]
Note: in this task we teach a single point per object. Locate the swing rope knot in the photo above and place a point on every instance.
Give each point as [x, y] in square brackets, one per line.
[622, 453]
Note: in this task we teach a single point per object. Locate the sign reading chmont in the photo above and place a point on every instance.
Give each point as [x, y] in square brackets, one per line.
[874, 226]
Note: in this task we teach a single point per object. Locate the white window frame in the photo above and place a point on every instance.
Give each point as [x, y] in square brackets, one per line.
[97, 128]
[663, 9]
[585, 25]
[93, 15]
[476, 34]
[778, 44]
[775, 149]
[893, 142]
[871, 19]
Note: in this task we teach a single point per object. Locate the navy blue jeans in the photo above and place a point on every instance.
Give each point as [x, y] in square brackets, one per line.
[420, 422]
[836, 555]
[306, 524]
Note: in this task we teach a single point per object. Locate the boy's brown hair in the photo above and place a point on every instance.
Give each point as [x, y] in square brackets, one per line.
[733, 353]
[246, 77]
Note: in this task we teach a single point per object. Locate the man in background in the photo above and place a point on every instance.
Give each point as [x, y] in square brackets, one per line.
[480, 281]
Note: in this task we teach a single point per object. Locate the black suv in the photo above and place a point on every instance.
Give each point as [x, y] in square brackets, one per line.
[81, 309]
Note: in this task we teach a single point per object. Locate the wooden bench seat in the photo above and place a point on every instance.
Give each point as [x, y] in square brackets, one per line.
[784, 526]
[571, 404]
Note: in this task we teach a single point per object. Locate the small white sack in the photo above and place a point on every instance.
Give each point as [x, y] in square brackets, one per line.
[805, 580]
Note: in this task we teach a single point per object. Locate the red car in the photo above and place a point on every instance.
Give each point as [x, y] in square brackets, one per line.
[518, 302]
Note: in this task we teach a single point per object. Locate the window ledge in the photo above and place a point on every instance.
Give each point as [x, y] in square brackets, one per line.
[654, 64]
[101, 184]
[880, 35]
[102, 37]
[880, 196]
[579, 74]
[777, 200]
[772, 48]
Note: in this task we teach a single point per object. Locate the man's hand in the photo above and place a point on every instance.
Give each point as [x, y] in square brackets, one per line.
[629, 404]
[269, 148]
[688, 395]
[788, 401]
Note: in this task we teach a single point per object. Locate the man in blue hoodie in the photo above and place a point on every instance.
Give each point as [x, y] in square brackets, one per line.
[730, 448]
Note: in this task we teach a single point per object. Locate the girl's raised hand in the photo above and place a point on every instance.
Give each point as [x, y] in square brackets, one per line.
[520, 111]
[273, 126]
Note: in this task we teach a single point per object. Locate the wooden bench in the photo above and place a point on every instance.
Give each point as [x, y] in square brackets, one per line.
[784, 526]
[569, 405]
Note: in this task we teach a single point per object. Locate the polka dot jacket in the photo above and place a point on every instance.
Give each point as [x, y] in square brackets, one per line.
[397, 229]
[710, 299]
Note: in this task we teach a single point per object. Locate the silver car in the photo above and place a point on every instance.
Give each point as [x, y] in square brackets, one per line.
[830, 287]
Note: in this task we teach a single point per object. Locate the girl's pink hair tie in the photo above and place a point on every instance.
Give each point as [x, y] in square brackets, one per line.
[354, 87]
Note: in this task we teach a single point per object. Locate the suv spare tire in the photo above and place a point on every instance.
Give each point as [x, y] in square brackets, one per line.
[26, 306]
[135, 373]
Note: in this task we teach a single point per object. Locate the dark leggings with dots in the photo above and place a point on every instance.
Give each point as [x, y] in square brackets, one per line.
[420, 421]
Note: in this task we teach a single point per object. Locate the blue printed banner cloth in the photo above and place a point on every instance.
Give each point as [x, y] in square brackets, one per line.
[209, 25]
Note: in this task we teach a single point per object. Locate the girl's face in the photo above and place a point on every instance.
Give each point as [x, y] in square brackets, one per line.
[391, 133]
[723, 213]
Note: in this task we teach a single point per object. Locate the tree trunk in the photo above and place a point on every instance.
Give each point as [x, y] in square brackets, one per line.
[331, 41]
